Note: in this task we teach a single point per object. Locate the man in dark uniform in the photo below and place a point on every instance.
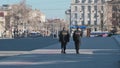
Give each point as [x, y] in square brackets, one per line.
[76, 37]
[63, 38]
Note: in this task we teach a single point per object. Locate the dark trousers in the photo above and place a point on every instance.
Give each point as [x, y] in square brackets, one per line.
[77, 46]
[63, 46]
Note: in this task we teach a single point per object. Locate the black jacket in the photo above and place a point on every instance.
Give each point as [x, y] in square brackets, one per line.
[64, 36]
[77, 35]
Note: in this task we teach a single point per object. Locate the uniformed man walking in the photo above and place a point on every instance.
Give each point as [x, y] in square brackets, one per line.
[77, 39]
[64, 39]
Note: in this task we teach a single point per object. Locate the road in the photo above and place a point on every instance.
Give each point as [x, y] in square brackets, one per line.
[94, 53]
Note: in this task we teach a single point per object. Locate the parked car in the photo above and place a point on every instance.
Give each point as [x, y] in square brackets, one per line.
[99, 34]
[34, 35]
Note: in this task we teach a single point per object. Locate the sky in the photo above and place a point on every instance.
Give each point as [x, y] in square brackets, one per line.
[51, 8]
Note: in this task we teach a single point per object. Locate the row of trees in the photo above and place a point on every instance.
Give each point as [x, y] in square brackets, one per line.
[20, 20]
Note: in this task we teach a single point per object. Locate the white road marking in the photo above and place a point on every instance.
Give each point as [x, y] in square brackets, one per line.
[57, 51]
[12, 53]
[33, 63]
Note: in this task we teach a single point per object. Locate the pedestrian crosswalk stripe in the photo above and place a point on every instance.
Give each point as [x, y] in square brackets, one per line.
[58, 51]
[34, 63]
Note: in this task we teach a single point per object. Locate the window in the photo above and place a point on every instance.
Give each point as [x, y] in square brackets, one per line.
[83, 1]
[75, 8]
[89, 1]
[95, 1]
[89, 8]
[95, 22]
[103, 1]
[102, 7]
[83, 8]
[82, 22]
[75, 15]
[83, 15]
[76, 1]
[75, 22]
[88, 22]
[95, 7]
[89, 15]
[95, 16]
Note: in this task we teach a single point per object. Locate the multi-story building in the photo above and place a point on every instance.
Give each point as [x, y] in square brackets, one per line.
[4, 20]
[20, 20]
[115, 4]
[113, 14]
[37, 13]
[2, 24]
[37, 19]
[90, 13]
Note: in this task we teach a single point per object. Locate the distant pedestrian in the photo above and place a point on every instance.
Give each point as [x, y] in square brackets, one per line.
[88, 32]
[77, 39]
[64, 39]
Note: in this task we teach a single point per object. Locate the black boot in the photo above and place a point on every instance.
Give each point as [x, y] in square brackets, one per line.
[62, 51]
[77, 51]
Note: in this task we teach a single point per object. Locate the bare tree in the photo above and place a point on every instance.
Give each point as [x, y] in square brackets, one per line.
[19, 15]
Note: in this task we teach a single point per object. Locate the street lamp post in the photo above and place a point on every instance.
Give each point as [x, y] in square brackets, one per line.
[68, 12]
[102, 21]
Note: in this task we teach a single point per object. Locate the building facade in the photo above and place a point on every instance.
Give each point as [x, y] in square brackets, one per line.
[14, 20]
[113, 14]
[90, 13]
[36, 20]
[4, 20]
